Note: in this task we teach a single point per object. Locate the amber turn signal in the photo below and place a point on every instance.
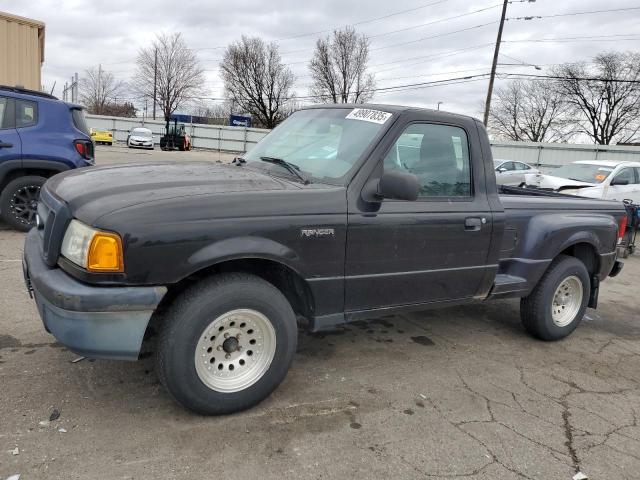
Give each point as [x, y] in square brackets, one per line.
[105, 253]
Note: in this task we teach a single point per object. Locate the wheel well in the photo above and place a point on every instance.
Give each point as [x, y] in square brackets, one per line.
[285, 279]
[587, 254]
[24, 172]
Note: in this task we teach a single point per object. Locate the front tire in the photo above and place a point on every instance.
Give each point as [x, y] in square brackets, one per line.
[19, 202]
[226, 344]
[557, 304]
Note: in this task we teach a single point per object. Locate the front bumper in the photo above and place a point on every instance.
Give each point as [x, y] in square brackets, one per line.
[97, 322]
[136, 144]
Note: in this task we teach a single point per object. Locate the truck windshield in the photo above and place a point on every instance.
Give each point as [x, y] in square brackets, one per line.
[583, 172]
[324, 143]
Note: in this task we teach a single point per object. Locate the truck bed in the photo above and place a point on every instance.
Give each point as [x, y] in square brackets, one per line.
[538, 224]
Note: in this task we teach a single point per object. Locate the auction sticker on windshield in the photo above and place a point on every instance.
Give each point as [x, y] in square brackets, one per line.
[375, 116]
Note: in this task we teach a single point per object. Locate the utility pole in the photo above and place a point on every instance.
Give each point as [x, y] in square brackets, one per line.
[439, 105]
[155, 81]
[496, 52]
[101, 100]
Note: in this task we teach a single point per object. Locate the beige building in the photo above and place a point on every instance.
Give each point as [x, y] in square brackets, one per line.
[21, 51]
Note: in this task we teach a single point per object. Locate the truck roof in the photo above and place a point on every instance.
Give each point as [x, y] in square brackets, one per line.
[396, 109]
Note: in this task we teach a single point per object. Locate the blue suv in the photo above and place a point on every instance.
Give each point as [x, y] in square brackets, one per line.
[39, 137]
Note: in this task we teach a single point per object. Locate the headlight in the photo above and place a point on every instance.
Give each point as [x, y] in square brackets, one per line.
[93, 249]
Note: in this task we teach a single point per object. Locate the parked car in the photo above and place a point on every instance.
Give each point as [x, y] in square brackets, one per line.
[140, 137]
[39, 137]
[102, 137]
[222, 259]
[509, 172]
[603, 179]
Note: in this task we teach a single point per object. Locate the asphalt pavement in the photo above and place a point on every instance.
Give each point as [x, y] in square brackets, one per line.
[459, 392]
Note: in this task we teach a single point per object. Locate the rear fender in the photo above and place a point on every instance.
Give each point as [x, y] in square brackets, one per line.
[548, 235]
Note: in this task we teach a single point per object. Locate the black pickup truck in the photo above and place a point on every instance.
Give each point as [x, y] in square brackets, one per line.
[341, 213]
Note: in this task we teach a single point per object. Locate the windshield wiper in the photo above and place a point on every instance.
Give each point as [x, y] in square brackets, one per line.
[291, 167]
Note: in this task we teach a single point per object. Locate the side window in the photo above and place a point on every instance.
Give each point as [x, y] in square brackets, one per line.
[521, 166]
[438, 155]
[637, 169]
[6, 113]
[508, 166]
[26, 113]
[626, 174]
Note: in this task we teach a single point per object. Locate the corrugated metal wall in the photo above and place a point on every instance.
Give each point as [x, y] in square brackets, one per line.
[21, 51]
[552, 155]
[213, 137]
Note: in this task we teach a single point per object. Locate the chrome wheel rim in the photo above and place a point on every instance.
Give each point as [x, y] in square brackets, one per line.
[567, 301]
[235, 350]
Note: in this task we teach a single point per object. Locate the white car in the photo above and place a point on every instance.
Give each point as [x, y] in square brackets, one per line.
[140, 137]
[509, 172]
[603, 179]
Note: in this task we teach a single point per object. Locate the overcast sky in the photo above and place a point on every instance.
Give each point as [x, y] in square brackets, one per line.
[81, 34]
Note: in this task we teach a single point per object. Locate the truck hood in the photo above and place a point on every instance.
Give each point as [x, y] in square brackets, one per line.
[96, 191]
[550, 181]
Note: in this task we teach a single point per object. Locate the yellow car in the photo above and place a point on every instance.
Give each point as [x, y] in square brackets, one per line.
[102, 137]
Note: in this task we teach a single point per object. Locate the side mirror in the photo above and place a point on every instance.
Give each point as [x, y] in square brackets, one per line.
[398, 185]
[619, 181]
[501, 169]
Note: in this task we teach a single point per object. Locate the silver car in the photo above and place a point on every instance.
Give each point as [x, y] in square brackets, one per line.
[140, 137]
[509, 172]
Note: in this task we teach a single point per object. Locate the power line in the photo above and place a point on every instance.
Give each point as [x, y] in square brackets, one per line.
[426, 58]
[443, 34]
[401, 87]
[362, 22]
[580, 79]
[571, 14]
[586, 38]
[434, 22]
[435, 36]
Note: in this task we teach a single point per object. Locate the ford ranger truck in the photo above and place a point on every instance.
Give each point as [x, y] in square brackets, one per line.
[341, 213]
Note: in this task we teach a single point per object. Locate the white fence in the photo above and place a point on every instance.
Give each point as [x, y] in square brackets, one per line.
[552, 155]
[213, 137]
[241, 139]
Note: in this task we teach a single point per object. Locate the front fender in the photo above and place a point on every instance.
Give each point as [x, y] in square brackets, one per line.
[243, 247]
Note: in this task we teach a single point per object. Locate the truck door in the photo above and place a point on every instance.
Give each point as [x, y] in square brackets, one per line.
[10, 145]
[429, 250]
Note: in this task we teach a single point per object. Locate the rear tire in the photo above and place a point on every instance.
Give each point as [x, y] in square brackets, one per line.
[226, 344]
[557, 304]
[19, 202]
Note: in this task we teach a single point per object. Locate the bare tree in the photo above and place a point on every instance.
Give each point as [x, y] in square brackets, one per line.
[339, 68]
[256, 80]
[178, 77]
[211, 113]
[98, 88]
[533, 111]
[606, 95]
[125, 109]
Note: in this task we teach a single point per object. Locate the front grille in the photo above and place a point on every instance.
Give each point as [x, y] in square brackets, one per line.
[54, 217]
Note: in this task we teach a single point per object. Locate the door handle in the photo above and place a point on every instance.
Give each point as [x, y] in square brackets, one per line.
[5, 145]
[473, 224]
